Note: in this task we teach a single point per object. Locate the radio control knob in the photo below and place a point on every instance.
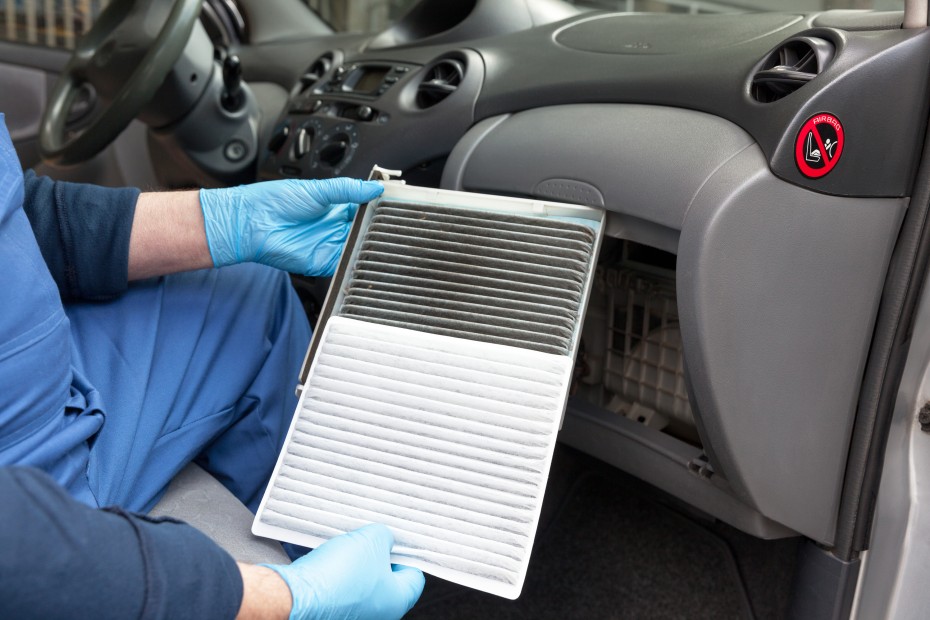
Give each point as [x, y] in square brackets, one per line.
[365, 112]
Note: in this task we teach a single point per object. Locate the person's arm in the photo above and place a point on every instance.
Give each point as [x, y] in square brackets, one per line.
[265, 595]
[83, 233]
[60, 558]
[167, 235]
[296, 225]
[95, 239]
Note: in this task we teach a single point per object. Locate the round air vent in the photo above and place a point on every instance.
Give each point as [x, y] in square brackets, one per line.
[317, 70]
[440, 80]
[790, 66]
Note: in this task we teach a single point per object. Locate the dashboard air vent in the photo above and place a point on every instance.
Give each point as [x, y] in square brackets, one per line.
[441, 80]
[789, 67]
[317, 70]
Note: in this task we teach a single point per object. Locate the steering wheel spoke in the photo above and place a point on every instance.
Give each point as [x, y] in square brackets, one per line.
[123, 58]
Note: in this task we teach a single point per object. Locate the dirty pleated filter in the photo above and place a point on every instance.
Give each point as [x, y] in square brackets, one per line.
[437, 386]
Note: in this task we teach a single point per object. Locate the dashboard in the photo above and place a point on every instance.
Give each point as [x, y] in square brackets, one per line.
[690, 131]
[408, 105]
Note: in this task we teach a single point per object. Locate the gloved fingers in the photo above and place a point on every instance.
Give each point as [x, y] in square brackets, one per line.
[342, 190]
[309, 248]
[378, 539]
[342, 212]
[351, 210]
[410, 582]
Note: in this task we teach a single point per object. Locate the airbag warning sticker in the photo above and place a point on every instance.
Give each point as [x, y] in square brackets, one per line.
[819, 145]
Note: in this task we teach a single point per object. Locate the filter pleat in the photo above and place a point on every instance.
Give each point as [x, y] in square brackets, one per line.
[499, 221]
[410, 220]
[508, 260]
[399, 286]
[535, 247]
[454, 308]
[376, 272]
[495, 270]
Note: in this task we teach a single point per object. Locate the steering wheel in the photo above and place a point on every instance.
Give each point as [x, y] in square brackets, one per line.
[124, 57]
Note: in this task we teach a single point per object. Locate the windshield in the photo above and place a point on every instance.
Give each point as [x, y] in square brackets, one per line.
[375, 15]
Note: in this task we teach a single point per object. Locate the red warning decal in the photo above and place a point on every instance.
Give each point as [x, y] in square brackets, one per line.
[819, 145]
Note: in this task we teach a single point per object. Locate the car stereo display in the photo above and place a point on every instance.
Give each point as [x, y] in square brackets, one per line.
[365, 80]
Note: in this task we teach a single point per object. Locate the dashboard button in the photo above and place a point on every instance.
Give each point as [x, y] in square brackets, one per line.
[365, 112]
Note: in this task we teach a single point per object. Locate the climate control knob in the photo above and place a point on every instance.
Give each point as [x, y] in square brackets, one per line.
[336, 147]
[334, 152]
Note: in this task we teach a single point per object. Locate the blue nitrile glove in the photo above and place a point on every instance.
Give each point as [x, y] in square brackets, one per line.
[351, 576]
[296, 225]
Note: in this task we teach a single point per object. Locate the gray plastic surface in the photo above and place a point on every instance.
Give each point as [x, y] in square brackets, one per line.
[197, 498]
[860, 20]
[662, 461]
[454, 169]
[778, 286]
[22, 100]
[610, 34]
[281, 20]
[823, 585]
[778, 289]
[192, 151]
[643, 161]
[47, 59]
[479, 18]
[876, 86]
[185, 83]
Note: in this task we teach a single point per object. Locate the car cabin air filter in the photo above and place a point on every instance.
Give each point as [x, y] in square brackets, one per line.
[436, 382]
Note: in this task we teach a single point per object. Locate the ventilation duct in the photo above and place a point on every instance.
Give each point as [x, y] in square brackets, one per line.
[316, 71]
[436, 382]
[792, 65]
[440, 80]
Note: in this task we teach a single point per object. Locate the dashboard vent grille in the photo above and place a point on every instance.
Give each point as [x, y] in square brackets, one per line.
[315, 71]
[441, 80]
[795, 63]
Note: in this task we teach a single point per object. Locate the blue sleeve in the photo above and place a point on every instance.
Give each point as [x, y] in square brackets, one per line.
[83, 232]
[62, 559]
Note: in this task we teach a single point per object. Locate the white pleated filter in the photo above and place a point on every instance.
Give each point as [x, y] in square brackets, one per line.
[438, 384]
[423, 433]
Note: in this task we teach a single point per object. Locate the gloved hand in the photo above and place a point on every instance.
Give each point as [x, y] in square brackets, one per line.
[351, 576]
[295, 225]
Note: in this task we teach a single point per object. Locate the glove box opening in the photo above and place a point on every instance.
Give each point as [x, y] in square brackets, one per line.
[630, 405]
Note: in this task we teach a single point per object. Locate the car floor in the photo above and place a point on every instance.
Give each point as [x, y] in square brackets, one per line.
[610, 546]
